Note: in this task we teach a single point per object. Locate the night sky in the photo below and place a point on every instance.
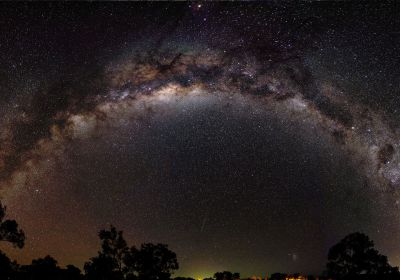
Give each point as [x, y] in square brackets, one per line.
[249, 137]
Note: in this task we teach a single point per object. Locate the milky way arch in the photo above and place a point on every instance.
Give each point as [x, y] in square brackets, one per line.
[133, 86]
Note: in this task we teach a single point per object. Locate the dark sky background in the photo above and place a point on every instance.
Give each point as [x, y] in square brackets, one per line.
[247, 136]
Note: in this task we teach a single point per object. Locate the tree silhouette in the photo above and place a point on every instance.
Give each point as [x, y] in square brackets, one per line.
[43, 269]
[9, 230]
[117, 261]
[114, 246]
[71, 273]
[46, 269]
[226, 275]
[102, 268]
[185, 278]
[6, 269]
[152, 262]
[109, 264]
[355, 255]
[278, 276]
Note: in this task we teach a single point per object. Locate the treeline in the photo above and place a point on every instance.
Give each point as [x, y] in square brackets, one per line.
[43, 268]
[354, 257]
[115, 261]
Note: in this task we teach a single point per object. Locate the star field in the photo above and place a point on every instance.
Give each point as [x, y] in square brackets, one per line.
[248, 136]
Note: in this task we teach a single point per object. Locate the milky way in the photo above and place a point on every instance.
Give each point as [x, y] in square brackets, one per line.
[142, 83]
[122, 146]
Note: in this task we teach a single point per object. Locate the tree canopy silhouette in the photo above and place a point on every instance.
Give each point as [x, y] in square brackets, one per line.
[355, 255]
[152, 262]
[6, 268]
[43, 268]
[117, 261]
[9, 230]
[227, 275]
[109, 264]
[46, 269]
[278, 276]
[184, 278]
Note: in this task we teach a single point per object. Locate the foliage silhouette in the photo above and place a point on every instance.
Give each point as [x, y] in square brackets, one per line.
[184, 278]
[109, 264]
[9, 230]
[278, 276]
[117, 261]
[151, 262]
[46, 269]
[102, 267]
[6, 268]
[355, 256]
[71, 273]
[226, 275]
